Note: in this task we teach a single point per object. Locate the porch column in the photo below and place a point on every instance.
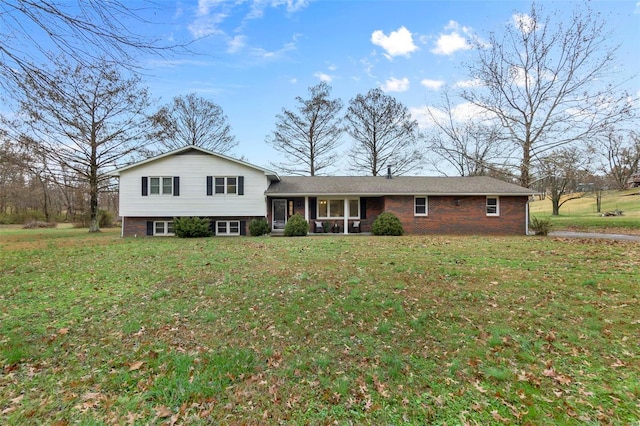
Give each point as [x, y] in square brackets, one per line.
[306, 208]
[345, 222]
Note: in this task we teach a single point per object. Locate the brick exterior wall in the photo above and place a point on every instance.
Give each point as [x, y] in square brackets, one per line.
[468, 218]
[137, 226]
[444, 215]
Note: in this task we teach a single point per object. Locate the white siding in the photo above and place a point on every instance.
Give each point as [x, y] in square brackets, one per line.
[193, 169]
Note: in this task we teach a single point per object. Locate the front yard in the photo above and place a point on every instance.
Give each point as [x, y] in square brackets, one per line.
[98, 329]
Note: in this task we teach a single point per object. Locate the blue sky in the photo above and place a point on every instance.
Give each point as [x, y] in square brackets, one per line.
[255, 56]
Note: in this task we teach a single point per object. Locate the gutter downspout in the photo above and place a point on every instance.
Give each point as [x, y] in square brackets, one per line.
[526, 224]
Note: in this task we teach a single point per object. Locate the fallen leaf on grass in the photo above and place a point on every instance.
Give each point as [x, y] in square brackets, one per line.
[618, 363]
[479, 388]
[162, 412]
[135, 366]
[496, 416]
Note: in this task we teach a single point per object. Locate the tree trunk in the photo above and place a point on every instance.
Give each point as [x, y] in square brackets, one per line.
[525, 165]
[94, 225]
[45, 204]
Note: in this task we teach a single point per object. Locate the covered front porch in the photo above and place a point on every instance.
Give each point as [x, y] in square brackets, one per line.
[326, 214]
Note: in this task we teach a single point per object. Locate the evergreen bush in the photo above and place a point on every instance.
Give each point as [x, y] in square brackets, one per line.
[192, 227]
[258, 227]
[105, 219]
[540, 226]
[387, 224]
[296, 226]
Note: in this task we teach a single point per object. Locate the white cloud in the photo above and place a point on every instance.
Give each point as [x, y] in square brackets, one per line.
[204, 6]
[259, 6]
[524, 22]
[323, 77]
[367, 67]
[397, 43]
[237, 43]
[460, 113]
[637, 9]
[453, 40]
[396, 85]
[206, 25]
[467, 84]
[432, 84]
[275, 54]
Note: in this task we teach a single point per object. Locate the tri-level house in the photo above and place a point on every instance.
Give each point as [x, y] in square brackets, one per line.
[193, 181]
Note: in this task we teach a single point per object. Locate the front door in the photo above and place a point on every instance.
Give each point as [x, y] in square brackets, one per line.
[279, 214]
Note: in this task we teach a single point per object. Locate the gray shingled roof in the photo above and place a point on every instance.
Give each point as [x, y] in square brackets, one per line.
[380, 185]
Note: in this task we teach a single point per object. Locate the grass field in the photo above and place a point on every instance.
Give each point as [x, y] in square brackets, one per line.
[581, 215]
[96, 329]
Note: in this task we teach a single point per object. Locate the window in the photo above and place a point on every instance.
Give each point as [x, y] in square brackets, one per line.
[354, 209]
[493, 206]
[420, 206]
[334, 208]
[220, 185]
[226, 185]
[228, 227]
[163, 228]
[161, 185]
[232, 187]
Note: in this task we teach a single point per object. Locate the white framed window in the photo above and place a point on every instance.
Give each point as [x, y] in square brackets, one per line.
[420, 206]
[334, 208]
[228, 227]
[161, 185]
[163, 228]
[354, 209]
[226, 185]
[493, 206]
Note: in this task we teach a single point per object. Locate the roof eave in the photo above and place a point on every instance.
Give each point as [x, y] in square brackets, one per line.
[383, 194]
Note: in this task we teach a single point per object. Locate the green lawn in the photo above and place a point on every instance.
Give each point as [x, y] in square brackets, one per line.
[581, 214]
[96, 329]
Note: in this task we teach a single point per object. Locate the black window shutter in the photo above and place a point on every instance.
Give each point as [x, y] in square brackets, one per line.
[209, 185]
[176, 186]
[243, 226]
[312, 207]
[145, 186]
[240, 185]
[363, 208]
[149, 227]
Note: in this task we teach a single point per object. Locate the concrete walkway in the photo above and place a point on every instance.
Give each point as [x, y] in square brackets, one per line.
[571, 234]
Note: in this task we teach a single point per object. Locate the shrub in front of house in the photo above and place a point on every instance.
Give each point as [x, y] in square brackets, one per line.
[387, 224]
[296, 226]
[192, 227]
[540, 226]
[258, 227]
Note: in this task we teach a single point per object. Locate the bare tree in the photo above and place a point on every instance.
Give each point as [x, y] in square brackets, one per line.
[622, 150]
[84, 119]
[385, 135]
[473, 146]
[83, 30]
[563, 175]
[542, 79]
[309, 137]
[192, 120]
